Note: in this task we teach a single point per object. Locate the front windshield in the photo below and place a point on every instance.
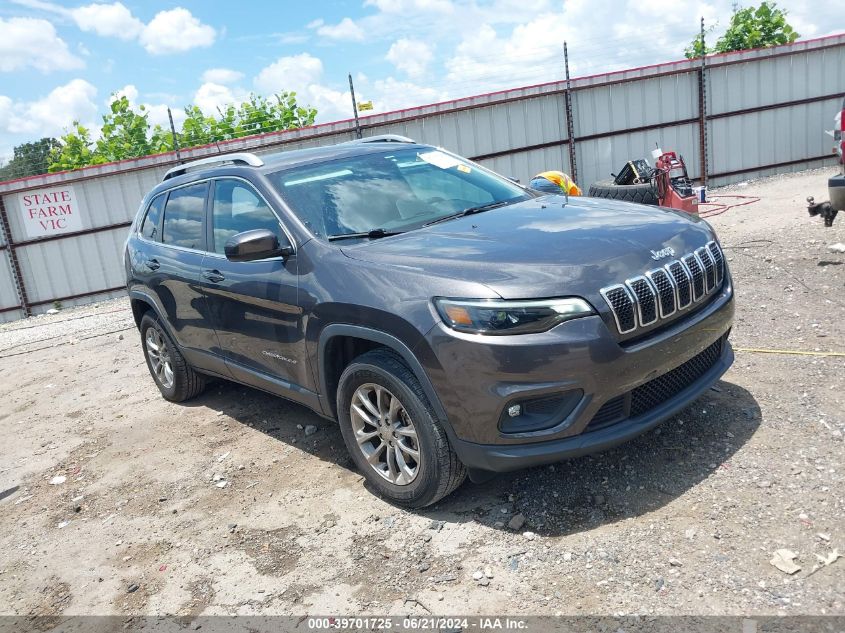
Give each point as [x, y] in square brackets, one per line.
[393, 191]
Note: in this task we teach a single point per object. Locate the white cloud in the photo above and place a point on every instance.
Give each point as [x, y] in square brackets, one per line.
[222, 76]
[412, 57]
[176, 31]
[33, 43]
[346, 29]
[158, 116]
[52, 114]
[129, 91]
[405, 6]
[211, 96]
[173, 31]
[391, 94]
[108, 20]
[303, 74]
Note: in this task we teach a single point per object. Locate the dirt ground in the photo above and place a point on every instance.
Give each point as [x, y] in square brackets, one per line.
[113, 501]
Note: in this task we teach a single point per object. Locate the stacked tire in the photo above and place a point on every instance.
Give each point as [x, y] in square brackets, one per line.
[645, 193]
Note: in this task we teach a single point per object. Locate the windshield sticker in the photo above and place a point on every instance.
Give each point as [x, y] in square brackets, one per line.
[463, 168]
[439, 159]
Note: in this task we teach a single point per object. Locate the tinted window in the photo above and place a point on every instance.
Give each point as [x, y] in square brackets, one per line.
[238, 208]
[183, 217]
[149, 228]
[400, 189]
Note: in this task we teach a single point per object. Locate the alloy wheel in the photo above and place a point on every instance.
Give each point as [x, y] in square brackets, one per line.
[385, 434]
[159, 358]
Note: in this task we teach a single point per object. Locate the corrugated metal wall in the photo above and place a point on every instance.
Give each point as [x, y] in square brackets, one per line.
[766, 112]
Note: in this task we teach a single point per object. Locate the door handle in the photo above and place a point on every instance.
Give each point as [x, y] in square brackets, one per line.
[152, 264]
[213, 275]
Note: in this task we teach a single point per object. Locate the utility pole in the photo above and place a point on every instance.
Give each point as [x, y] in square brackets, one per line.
[354, 108]
[570, 123]
[173, 134]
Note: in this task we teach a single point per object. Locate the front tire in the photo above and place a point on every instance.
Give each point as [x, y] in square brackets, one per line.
[392, 433]
[175, 378]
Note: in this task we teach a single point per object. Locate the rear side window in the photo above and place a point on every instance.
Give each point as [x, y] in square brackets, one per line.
[183, 217]
[236, 208]
[149, 229]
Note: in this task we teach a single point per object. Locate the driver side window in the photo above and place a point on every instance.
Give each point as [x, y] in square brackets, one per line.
[236, 208]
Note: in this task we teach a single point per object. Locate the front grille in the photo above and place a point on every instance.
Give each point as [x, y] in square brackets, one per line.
[655, 392]
[643, 300]
[611, 411]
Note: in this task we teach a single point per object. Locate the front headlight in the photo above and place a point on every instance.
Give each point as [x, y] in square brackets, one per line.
[496, 316]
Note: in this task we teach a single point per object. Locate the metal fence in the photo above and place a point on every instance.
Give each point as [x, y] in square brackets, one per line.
[739, 116]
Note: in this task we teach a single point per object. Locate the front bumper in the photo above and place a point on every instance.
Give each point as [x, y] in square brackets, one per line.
[477, 378]
[499, 458]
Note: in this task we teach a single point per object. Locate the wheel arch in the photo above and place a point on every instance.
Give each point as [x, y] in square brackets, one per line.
[338, 334]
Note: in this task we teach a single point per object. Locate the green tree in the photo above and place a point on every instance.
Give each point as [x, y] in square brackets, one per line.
[750, 28]
[126, 131]
[76, 150]
[29, 159]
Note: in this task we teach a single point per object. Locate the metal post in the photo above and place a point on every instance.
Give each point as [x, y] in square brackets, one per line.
[14, 264]
[570, 123]
[354, 108]
[173, 133]
[702, 109]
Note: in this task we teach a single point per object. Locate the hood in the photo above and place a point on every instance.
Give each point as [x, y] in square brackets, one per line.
[543, 247]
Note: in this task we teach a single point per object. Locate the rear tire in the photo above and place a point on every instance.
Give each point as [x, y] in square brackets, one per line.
[175, 378]
[385, 417]
[645, 193]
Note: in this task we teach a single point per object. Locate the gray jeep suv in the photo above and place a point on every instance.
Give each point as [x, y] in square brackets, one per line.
[450, 320]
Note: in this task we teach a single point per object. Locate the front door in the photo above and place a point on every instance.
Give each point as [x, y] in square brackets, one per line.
[253, 305]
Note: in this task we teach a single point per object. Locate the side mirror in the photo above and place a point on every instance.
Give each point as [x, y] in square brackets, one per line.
[513, 179]
[257, 244]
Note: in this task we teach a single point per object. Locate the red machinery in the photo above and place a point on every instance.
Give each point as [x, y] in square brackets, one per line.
[674, 188]
[667, 184]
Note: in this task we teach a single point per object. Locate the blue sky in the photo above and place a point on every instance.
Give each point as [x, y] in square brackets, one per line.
[61, 61]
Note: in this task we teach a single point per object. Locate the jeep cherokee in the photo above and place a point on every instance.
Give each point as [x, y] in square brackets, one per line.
[450, 320]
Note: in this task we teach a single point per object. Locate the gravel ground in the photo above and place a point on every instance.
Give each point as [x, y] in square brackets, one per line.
[113, 501]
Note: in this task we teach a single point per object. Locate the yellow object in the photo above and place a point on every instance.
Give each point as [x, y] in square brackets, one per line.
[365, 105]
[562, 180]
[787, 351]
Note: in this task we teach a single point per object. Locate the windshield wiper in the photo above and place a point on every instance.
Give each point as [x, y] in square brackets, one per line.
[470, 211]
[372, 234]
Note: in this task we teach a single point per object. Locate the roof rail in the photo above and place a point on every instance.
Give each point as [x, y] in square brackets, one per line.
[237, 158]
[384, 138]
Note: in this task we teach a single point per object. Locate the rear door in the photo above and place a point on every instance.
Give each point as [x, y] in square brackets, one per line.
[253, 304]
[174, 260]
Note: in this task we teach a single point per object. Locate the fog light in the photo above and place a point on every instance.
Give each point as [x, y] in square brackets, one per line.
[538, 413]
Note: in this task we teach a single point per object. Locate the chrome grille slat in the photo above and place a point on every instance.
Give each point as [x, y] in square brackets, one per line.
[666, 291]
[646, 298]
[719, 259]
[696, 271]
[658, 294]
[709, 266]
[622, 306]
[683, 283]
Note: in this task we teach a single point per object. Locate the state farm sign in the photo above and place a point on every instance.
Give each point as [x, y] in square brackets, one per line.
[47, 212]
